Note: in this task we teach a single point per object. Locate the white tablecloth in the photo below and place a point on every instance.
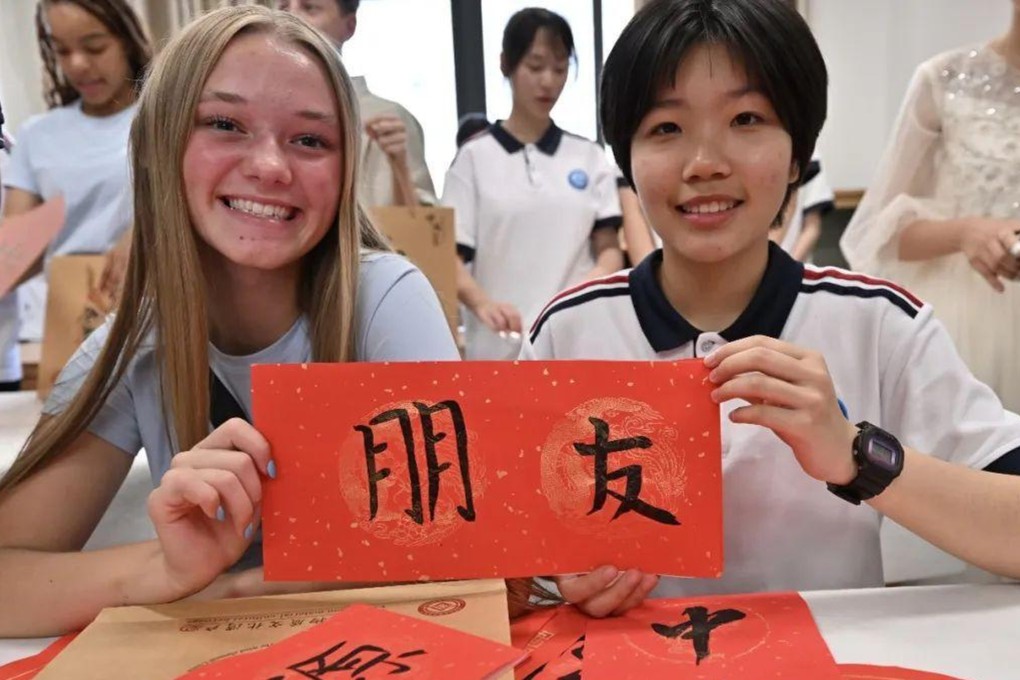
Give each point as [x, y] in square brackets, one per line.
[126, 520]
[965, 631]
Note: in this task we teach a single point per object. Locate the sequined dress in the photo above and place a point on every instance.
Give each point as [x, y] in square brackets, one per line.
[955, 152]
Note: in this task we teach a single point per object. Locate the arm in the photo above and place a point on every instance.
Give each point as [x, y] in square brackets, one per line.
[903, 188]
[605, 246]
[985, 242]
[636, 232]
[498, 316]
[49, 585]
[810, 230]
[16, 202]
[972, 514]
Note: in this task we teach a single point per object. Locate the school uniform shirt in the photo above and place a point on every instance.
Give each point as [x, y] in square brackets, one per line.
[892, 364]
[398, 318]
[525, 214]
[84, 159]
[814, 195]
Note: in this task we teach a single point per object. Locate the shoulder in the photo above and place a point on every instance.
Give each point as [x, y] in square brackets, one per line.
[479, 145]
[867, 294]
[382, 267]
[582, 303]
[41, 125]
[956, 64]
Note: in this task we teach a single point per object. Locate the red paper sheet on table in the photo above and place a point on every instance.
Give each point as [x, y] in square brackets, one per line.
[368, 642]
[29, 667]
[444, 470]
[24, 237]
[868, 672]
[554, 650]
[771, 635]
[525, 628]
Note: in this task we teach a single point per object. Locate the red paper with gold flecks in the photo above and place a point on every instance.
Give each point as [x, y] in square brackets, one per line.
[486, 469]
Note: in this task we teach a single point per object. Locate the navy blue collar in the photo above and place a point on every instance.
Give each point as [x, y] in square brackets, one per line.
[766, 314]
[549, 142]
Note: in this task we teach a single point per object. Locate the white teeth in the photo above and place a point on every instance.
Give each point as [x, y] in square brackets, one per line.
[276, 212]
[708, 208]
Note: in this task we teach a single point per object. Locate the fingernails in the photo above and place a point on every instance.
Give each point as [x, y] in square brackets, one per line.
[221, 514]
[248, 531]
[271, 469]
[711, 360]
[609, 573]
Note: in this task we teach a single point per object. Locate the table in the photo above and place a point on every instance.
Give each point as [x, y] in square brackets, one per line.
[126, 520]
[966, 631]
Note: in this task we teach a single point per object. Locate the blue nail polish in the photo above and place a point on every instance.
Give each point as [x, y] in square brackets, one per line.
[248, 531]
[271, 469]
[221, 514]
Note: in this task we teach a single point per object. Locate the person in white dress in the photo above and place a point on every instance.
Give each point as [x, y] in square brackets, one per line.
[943, 213]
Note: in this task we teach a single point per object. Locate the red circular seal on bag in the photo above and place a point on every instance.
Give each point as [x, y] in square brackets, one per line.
[441, 607]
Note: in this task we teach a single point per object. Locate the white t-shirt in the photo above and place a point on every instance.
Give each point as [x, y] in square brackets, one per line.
[525, 214]
[398, 318]
[892, 364]
[85, 159]
[10, 357]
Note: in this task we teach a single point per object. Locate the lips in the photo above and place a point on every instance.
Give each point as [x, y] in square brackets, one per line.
[708, 207]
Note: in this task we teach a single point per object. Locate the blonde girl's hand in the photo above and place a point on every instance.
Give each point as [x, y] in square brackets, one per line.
[206, 508]
[790, 392]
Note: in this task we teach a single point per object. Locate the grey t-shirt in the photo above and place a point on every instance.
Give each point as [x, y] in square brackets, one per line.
[399, 318]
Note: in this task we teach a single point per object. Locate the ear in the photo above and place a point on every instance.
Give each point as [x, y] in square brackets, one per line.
[503, 65]
[794, 172]
[351, 22]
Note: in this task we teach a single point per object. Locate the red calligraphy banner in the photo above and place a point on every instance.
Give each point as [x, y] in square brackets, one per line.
[368, 642]
[769, 635]
[444, 470]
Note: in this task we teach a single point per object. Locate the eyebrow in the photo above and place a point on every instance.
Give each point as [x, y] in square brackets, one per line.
[234, 98]
[678, 102]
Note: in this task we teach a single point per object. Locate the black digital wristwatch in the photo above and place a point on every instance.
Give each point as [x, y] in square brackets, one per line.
[879, 459]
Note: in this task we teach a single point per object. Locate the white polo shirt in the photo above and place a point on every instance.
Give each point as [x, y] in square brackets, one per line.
[891, 362]
[525, 214]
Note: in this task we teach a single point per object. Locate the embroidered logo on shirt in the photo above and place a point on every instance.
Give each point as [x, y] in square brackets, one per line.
[578, 179]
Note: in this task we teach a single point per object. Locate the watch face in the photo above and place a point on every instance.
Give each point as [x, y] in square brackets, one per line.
[883, 455]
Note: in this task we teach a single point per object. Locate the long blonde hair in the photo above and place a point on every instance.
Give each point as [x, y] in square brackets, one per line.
[164, 287]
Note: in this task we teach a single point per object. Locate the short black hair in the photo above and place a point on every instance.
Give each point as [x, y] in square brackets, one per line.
[348, 6]
[470, 125]
[771, 39]
[521, 30]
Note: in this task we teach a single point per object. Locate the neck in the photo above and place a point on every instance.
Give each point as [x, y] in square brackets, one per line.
[249, 309]
[526, 127]
[711, 296]
[115, 105]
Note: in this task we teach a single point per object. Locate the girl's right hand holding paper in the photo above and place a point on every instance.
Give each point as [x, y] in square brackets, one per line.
[206, 508]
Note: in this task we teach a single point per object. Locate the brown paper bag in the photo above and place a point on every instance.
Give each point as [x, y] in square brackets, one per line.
[164, 641]
[426, 237]
[74, 308]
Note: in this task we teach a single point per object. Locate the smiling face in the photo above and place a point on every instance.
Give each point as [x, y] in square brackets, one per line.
[262, 166]
[91, 58]
[711, 160]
